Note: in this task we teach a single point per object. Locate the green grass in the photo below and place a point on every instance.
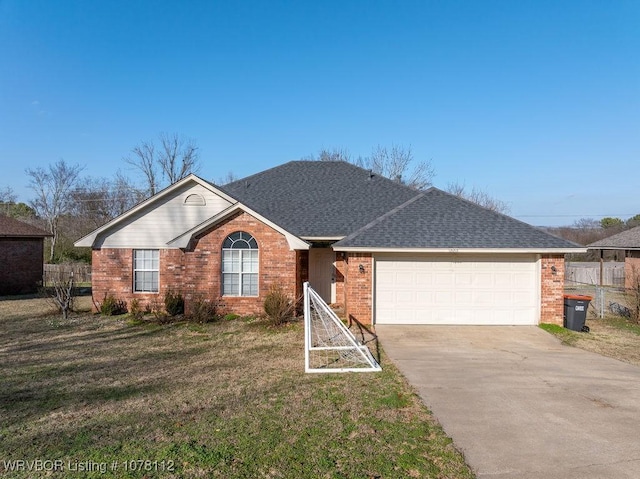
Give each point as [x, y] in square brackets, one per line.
[565, 335]
[227, 399]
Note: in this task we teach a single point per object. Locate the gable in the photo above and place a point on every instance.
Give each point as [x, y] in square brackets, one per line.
[155, 224]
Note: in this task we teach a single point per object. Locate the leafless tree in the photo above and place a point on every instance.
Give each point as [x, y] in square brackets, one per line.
[479, 197]
[144, 159]
[174, 158]
[178, 157]
[53, 187]
[99, 200]
[7, 195]
[583, 231]
[334, 154]
[396, 163]
[230, 177]
[62, 292]
[7, 200]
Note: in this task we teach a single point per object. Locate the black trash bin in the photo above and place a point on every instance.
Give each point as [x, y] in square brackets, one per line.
[575, 312]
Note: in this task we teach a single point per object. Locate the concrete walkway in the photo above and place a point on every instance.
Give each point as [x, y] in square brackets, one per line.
[519, 404]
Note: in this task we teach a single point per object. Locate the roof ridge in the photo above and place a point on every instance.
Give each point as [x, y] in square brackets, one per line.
[383, 217]
[349, 164]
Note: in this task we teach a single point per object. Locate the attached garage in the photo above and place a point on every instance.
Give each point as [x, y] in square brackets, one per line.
[480, 289]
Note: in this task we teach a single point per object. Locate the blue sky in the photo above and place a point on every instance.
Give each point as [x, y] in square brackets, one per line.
[535, 102]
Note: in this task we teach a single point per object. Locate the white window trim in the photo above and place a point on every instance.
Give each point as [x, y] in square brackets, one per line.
[143, 270]
[240, 273]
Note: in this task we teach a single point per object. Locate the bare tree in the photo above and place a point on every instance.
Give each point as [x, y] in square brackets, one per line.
[53, 188]
[230, 177]
[7, 195]
[334, 154]
[174, 158]
[7, 200]
[478, 197]
[62, 292]
[99, 200]
[178, 157]
[144, 159]
[396, 163]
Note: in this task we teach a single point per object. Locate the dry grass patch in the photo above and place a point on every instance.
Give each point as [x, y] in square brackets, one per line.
[611, 336]
[226, 399]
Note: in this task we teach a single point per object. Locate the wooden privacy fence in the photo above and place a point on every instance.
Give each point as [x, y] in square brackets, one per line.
[589, 273]
[81, 272]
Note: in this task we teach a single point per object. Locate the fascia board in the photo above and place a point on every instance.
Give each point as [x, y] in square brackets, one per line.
[322, 238]
[359, 249]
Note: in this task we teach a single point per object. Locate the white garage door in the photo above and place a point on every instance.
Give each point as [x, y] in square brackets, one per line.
[436, 289]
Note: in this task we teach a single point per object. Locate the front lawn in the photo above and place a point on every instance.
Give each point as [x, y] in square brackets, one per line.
[227, 399]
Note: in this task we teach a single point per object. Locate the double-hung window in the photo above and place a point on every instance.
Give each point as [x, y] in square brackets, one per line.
[240, 265]
[145, 270]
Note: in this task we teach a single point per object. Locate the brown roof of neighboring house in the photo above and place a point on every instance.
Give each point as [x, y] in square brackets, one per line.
[629, 239]
[11, 227]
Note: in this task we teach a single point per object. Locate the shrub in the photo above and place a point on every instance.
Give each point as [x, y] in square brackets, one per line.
[202, 311]
[111, 305]
[278, 306]
[135, 309]
[173, 303]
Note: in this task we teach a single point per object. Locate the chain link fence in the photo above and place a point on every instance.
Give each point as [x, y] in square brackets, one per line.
[606, 299]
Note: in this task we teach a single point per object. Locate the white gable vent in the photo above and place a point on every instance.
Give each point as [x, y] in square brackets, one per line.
[194, 200]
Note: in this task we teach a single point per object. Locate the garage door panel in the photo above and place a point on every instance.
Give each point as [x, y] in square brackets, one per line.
[427, 289]
[424, 279]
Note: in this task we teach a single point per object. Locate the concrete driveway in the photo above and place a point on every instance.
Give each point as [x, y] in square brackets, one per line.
[519, 404]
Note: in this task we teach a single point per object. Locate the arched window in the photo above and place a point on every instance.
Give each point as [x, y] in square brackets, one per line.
[240, 265]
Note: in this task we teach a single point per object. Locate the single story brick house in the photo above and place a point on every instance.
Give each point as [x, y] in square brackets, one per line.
[384, 252]
[21, 256]
[629, 242]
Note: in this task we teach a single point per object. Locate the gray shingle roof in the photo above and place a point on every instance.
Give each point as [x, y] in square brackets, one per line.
[629, 239]
[319, 198]
[436, 219]
[338, 199]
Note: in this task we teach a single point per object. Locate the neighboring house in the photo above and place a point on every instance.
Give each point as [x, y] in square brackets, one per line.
[629, 242]
[384, 252]
[21, 256]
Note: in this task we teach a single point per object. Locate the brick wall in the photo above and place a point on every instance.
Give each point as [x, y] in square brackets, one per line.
[358, 287]
[278, 264]
[21, 265]
[631, 272]
[196, 272]
[552, 289]
[340, 273]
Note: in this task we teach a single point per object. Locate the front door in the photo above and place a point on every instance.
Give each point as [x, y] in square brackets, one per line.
[322, 273]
